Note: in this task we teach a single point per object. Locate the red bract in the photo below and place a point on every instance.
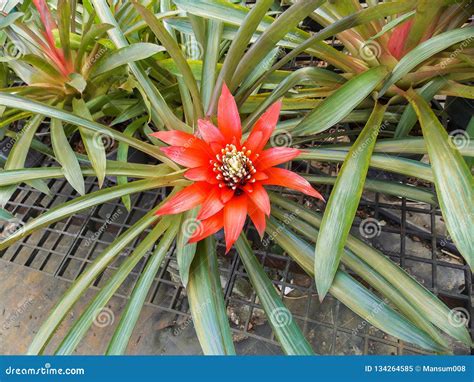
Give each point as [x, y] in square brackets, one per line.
[55, 54]
[396, 43]
[229, 176]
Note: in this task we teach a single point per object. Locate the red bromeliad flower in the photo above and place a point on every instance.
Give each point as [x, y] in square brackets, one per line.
[229, 176]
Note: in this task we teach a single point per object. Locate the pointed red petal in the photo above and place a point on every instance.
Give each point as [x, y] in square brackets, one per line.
[260, 176]
[226, 194]
[228, 118]
[253, 141]
[207, 227]
[182, 139]
[186, 199]
[275, 156]
[257, 217]
[281, 177]
[209, 132]
[186, 157]
[266, 124]
[260, 198]
[202, 173]
[211, 205]
[396, 43]
[235, 213]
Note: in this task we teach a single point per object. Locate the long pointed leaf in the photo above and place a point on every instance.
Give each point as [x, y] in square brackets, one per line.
[285, 328]
[206, 301]
[452, 177]
[343, 202]
[353, 294]
[83, 323]
[339, 104]
[57, 314]
[66, 157]
[420, 297]
[131, 314]
[92, 141]
[83, 202]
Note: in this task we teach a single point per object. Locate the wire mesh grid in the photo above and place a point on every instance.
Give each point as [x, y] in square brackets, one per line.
[64, 249]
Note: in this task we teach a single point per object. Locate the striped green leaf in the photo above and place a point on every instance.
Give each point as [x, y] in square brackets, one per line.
[206, 301]
[17, 156]
[131, 313]
[66, 157]
[343, 202]
[83, 282]
[285, 328]
[352, 294]
[123, 56]
[339, 104]
[84, 322]
[420, 297]
[83, 202]
[92, 141]
[452, 177]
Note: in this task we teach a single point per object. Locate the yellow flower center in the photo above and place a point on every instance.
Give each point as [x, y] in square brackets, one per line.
[233, 167]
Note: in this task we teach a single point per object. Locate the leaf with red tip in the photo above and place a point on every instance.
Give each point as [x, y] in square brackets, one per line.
[396, 43]
[211, 205]
[260, 198]
[275, 156]
[207, 227]
[46, 19]
[186, 199]
[235, 213]
[186, 157]
[285, 178]
[228, 117]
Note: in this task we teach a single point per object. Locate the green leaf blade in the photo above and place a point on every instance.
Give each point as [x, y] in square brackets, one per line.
[343, 202]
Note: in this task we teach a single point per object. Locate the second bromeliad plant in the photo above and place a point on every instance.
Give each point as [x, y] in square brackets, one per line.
[395, 59]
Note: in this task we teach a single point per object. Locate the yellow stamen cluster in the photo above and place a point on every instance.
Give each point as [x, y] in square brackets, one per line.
[233, 167]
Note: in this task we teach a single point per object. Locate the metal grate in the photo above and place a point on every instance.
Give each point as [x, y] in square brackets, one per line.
[64, 249]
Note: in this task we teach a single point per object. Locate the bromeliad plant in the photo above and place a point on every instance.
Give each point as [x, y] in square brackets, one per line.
[66, 62]
[394, 60]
